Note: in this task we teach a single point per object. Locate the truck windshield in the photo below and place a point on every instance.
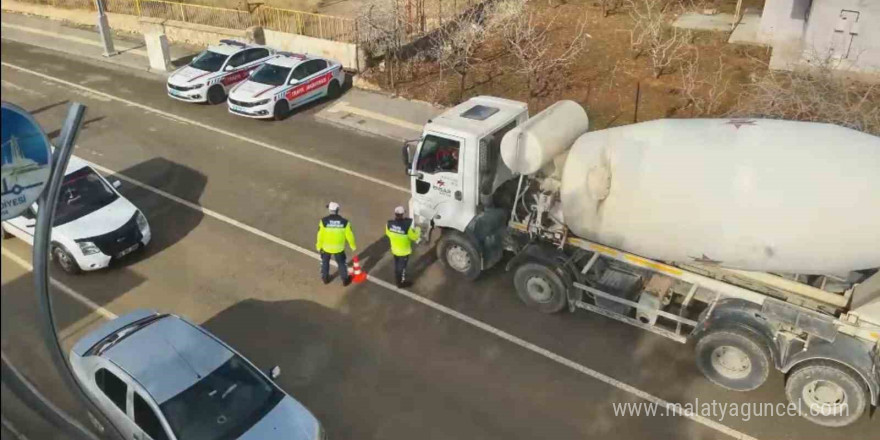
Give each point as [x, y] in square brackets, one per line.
[209, 61]
[438, 155]
[223, 405]
[82, 192]
[271, 74]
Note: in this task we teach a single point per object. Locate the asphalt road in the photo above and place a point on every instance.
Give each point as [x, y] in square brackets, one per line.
[368, 360]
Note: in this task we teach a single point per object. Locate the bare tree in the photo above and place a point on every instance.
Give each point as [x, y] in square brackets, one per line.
[526, 38]
[383, 26]
[818, 95]
[455, 45]
[704, 94]
[651, 35]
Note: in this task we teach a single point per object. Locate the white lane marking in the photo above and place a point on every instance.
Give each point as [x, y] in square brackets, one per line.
[343, 106]
[61, 286]
[265, 145]
[446, 310]
[79, 40]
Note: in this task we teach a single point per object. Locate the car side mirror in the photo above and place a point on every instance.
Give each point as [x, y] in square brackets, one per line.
[228, 68]
[275, 372]
[117, 184]
[293, 81]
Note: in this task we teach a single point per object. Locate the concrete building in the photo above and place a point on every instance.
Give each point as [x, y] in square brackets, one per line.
[844, 33]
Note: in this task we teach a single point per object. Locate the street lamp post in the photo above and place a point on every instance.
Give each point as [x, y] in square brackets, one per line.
[104, 30]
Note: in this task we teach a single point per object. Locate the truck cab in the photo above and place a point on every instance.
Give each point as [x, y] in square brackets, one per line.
[455, 169]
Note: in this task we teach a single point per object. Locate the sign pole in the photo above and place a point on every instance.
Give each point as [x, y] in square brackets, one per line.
[45, 215]
[104, 30]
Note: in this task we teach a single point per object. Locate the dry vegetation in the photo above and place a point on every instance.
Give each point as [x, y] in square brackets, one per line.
[618, 58]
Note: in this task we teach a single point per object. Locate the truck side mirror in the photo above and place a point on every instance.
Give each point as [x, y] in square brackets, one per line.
[407, 156]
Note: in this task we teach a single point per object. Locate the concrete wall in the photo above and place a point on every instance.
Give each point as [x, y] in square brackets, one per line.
[121, 22]
[852, 42]
[198, 34]
[346, 53]
[782, 26]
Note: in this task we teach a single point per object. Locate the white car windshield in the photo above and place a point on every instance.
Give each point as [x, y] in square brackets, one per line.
[224, 404]
[209, 61]
[271, 74]
[82, 192]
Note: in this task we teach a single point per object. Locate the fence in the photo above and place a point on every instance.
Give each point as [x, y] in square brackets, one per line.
[304, 23]
[282, 20]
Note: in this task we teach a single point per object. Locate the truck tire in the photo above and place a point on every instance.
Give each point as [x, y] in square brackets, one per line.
[457, 252]
[735, 359]
[827, 393]
[540, 288]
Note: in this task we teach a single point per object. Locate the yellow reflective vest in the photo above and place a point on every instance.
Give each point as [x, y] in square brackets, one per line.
[333, 231]
[401, 234]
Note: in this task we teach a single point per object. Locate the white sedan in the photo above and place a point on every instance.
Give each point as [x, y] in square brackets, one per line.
[210, 75]
[93, 223]
[286, 81]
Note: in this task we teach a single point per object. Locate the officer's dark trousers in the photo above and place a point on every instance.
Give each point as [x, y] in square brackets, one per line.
[340, 261]
[400, 268]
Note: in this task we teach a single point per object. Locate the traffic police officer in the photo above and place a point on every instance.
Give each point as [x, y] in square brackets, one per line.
[401, 234]
[333, 231]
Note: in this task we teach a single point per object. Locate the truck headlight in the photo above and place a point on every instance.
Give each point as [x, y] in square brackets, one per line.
[88, 248]
[142, 223]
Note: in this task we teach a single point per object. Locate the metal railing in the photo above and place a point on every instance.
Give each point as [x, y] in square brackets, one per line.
[305, 23]
[283, 20]
[198, 14]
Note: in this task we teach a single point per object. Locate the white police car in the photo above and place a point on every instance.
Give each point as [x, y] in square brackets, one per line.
[210, 75]
[284, 82]
[94, 224]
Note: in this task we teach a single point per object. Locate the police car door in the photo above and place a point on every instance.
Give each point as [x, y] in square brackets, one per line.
[23, 226]
[437, 182]
[315, 82]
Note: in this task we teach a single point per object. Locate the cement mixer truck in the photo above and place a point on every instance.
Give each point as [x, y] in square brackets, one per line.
[756, 240]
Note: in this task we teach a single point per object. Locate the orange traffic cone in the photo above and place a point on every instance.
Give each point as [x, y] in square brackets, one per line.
[357, 274]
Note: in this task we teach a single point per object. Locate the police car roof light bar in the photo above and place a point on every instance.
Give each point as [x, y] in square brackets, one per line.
[229, 42]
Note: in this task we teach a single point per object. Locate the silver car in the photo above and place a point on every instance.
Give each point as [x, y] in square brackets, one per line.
[160, 377]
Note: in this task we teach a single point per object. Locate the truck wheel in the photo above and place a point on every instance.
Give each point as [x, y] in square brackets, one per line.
[64, 260]
[827, 394]
[540, 288]
[459, 254]
[216, 95]
[734, 359]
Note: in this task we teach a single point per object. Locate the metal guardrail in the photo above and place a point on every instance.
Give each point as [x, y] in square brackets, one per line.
[198, 14]
[305, 23]
[283, 20]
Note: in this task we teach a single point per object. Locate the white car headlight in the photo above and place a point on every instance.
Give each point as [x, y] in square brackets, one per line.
[88, 248]
[264, 101]
[142, 223]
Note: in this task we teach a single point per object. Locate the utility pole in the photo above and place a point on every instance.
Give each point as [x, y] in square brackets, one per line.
[104, 30]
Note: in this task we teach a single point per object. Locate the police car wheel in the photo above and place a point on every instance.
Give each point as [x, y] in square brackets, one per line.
[64, 260]
[333, 90]
[216, 95]
[280, 111]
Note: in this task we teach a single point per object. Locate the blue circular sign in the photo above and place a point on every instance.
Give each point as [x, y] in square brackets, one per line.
[26, 160]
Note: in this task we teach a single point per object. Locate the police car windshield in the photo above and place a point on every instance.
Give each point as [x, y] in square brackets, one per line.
[209, 61]
[82, 193]
[271, 74]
